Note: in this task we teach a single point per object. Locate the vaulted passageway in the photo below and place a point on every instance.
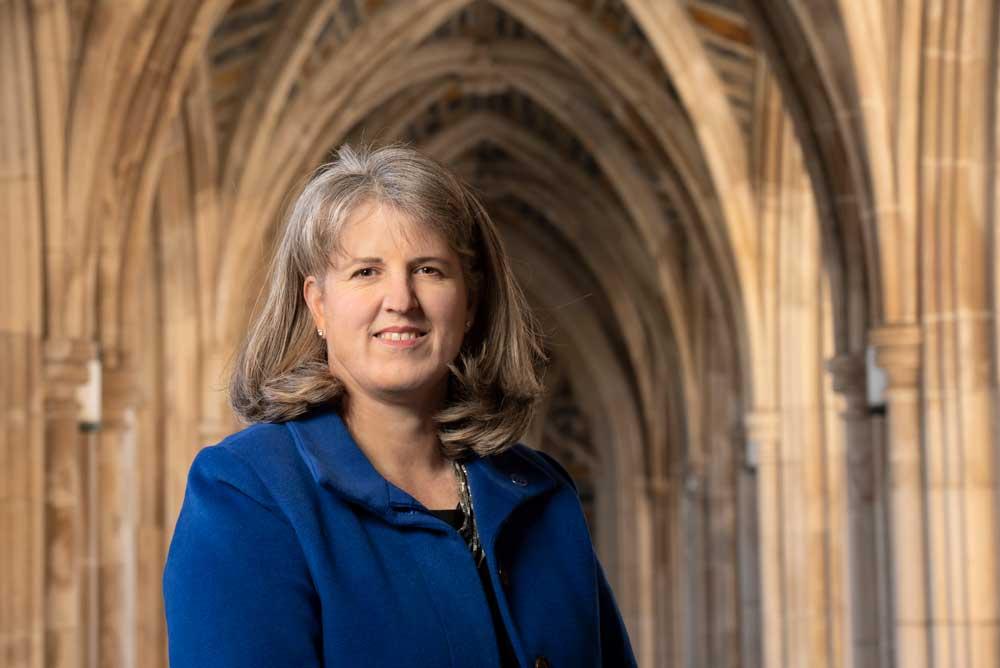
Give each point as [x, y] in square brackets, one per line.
[761, 237]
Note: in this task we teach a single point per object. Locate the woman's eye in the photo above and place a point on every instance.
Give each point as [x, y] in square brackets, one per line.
[431, 271]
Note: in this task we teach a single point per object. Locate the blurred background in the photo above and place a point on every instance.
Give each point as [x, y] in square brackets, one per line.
[761, 235]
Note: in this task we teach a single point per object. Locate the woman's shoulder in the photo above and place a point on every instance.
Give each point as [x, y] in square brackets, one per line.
[543, 462]
[257, 460]
[258, 441]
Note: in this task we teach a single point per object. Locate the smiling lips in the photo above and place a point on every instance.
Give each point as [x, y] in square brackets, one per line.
[400, 337]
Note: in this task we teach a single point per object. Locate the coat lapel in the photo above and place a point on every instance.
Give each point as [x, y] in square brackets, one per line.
[336, 461]
[498, 483]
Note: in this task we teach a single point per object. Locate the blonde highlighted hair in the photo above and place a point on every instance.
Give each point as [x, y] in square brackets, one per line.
[281, 369]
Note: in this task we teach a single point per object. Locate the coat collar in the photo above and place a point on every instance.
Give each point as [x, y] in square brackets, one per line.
[498, 483]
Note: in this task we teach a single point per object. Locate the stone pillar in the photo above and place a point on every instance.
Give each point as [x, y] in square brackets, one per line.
[866, 568]
[980, 507]
[22, 500]
[694, 553]
[959, 60]
[65, 539]
[961, 492]
[117, 477]
[748, 559]
[898, 353]
[763, 432]
[721, 546]
[667, 574]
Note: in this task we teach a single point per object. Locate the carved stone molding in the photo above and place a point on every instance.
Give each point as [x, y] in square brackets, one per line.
[65, 370]
[849, 373]
[850, 381]
[897, 352]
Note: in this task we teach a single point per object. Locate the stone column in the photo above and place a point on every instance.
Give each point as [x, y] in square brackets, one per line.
[667, 575]
[694, 554]
[960, 469]
[866, 570]
[65, 540]
[23, 483]
[898, 353]
[721, 544]
[22, 500]
[117, 477]
[763, 431]
[958, 56]
[748, 559]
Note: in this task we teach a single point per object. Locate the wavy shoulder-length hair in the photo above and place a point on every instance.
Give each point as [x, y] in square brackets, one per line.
[281, 369]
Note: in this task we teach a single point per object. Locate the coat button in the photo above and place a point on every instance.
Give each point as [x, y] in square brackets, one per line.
[518, 480]
[504, 578]
[542, 662]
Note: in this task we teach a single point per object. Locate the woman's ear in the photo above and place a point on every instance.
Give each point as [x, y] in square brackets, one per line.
[312, 291]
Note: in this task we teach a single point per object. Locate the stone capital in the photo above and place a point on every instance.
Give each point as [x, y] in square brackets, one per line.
[65, 362]
[898, 353]
[849, 373]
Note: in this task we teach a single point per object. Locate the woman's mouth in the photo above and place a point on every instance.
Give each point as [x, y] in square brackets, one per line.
[400, 339]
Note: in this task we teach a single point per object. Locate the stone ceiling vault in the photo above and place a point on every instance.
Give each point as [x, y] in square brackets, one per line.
[291, 82]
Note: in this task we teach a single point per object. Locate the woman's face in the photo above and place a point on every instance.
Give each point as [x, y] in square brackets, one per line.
[393, 306]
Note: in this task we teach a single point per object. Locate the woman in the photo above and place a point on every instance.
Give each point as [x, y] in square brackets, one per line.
[379, 511]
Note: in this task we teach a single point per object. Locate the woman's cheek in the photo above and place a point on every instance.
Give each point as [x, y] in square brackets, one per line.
[349, 311]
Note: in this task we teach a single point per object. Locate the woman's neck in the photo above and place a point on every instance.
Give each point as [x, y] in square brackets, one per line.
[401, 441]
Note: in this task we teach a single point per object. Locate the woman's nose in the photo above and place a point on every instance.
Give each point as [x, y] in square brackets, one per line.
[399, 295]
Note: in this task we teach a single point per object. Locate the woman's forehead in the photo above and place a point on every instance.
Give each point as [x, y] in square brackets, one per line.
[384, 228]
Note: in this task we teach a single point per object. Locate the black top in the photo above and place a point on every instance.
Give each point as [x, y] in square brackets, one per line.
[507, 658]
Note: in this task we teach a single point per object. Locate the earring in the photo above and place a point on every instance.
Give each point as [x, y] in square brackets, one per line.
[321, 333]
[468, 324]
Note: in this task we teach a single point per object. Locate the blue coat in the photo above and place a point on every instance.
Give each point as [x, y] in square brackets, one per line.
[292, 550]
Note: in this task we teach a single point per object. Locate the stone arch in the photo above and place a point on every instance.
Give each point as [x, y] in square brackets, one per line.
[474, 60]
[106, 149]
[590, 50]
[402, 26]
[300, 132]
[280, 65]
[125, 198]
[184, 193]
[832, 116]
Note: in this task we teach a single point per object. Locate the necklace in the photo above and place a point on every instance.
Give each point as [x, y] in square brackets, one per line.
[468, 531]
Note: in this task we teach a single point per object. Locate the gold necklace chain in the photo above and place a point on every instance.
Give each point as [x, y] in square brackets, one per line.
[469, 531]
